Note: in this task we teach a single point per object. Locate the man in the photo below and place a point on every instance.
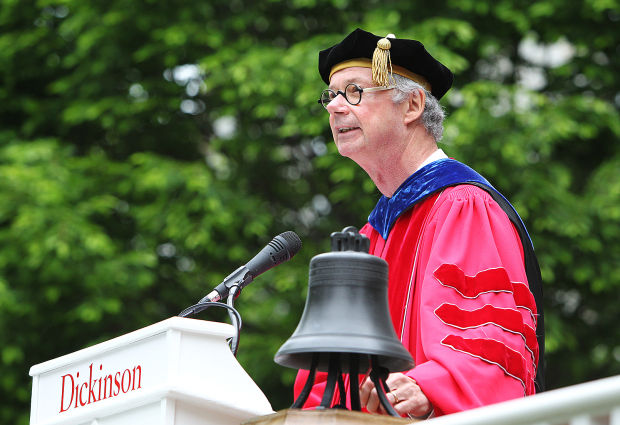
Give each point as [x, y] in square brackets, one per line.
[462, 272]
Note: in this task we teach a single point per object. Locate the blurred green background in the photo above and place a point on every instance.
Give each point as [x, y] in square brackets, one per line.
[150, 147]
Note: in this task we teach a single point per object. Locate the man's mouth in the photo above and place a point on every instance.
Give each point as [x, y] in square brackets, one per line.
[346, 129]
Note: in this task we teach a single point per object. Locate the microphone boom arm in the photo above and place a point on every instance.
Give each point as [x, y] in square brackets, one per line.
[240, 277]
[281, 248]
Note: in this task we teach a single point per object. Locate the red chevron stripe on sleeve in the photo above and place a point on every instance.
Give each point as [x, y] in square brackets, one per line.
[486, 281]
[494, 352]
[505, 318]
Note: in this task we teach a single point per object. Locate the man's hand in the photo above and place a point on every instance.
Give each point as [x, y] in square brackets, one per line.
[405, 395]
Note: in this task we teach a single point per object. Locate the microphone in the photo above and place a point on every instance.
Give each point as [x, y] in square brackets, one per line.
[281, 248]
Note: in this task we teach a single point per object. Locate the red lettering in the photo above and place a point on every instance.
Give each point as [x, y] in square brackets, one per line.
[105, 386]
[89, 391]
[100, 368]
[62, 393]
[139, 369]
[77, 392]
[128, 372]
[91, 394]
[82, 392]
[117, 384]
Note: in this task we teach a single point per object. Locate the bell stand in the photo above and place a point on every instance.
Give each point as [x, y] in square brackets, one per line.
[378, 375]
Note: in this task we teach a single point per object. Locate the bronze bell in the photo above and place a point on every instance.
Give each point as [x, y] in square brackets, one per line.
[346, 325]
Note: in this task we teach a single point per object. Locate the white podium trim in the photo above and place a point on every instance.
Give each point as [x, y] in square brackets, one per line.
[177, 323]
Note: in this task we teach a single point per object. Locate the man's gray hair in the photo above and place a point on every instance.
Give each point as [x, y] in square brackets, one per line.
[433, 114]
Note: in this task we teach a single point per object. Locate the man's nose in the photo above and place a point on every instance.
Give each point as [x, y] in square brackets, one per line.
[338, 104]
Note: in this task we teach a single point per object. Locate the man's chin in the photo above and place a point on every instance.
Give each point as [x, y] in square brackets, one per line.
[348, 149]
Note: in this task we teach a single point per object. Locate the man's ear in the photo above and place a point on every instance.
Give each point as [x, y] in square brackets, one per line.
[415, 106]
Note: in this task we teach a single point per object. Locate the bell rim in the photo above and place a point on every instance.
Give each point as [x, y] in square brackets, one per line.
[303, 360]
[404, 355]
[390, 348]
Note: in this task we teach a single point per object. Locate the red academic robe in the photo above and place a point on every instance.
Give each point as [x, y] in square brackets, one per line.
[459, 301]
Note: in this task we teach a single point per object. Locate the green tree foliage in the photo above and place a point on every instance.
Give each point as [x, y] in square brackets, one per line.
[148, 148]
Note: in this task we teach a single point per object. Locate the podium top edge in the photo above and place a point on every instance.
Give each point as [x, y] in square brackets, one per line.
[203, 327]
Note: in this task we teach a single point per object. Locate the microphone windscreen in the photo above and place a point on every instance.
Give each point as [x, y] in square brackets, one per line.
[292, 241]
[280, 249]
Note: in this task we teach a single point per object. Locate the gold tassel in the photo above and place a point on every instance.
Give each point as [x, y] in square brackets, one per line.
[382, 63]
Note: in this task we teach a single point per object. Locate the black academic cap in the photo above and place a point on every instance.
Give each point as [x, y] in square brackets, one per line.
[408, 58]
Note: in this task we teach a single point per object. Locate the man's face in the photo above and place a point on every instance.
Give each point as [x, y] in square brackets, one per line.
[368, 131]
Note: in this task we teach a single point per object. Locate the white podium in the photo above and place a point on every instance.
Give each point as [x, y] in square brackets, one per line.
[176, 372]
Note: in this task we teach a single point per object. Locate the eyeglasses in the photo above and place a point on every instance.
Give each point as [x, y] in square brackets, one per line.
[352, 94]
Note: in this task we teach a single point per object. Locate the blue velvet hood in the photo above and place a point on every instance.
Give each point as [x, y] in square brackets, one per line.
[426, 181]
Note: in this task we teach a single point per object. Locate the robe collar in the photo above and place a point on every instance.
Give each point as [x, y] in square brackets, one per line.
[424, 182]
